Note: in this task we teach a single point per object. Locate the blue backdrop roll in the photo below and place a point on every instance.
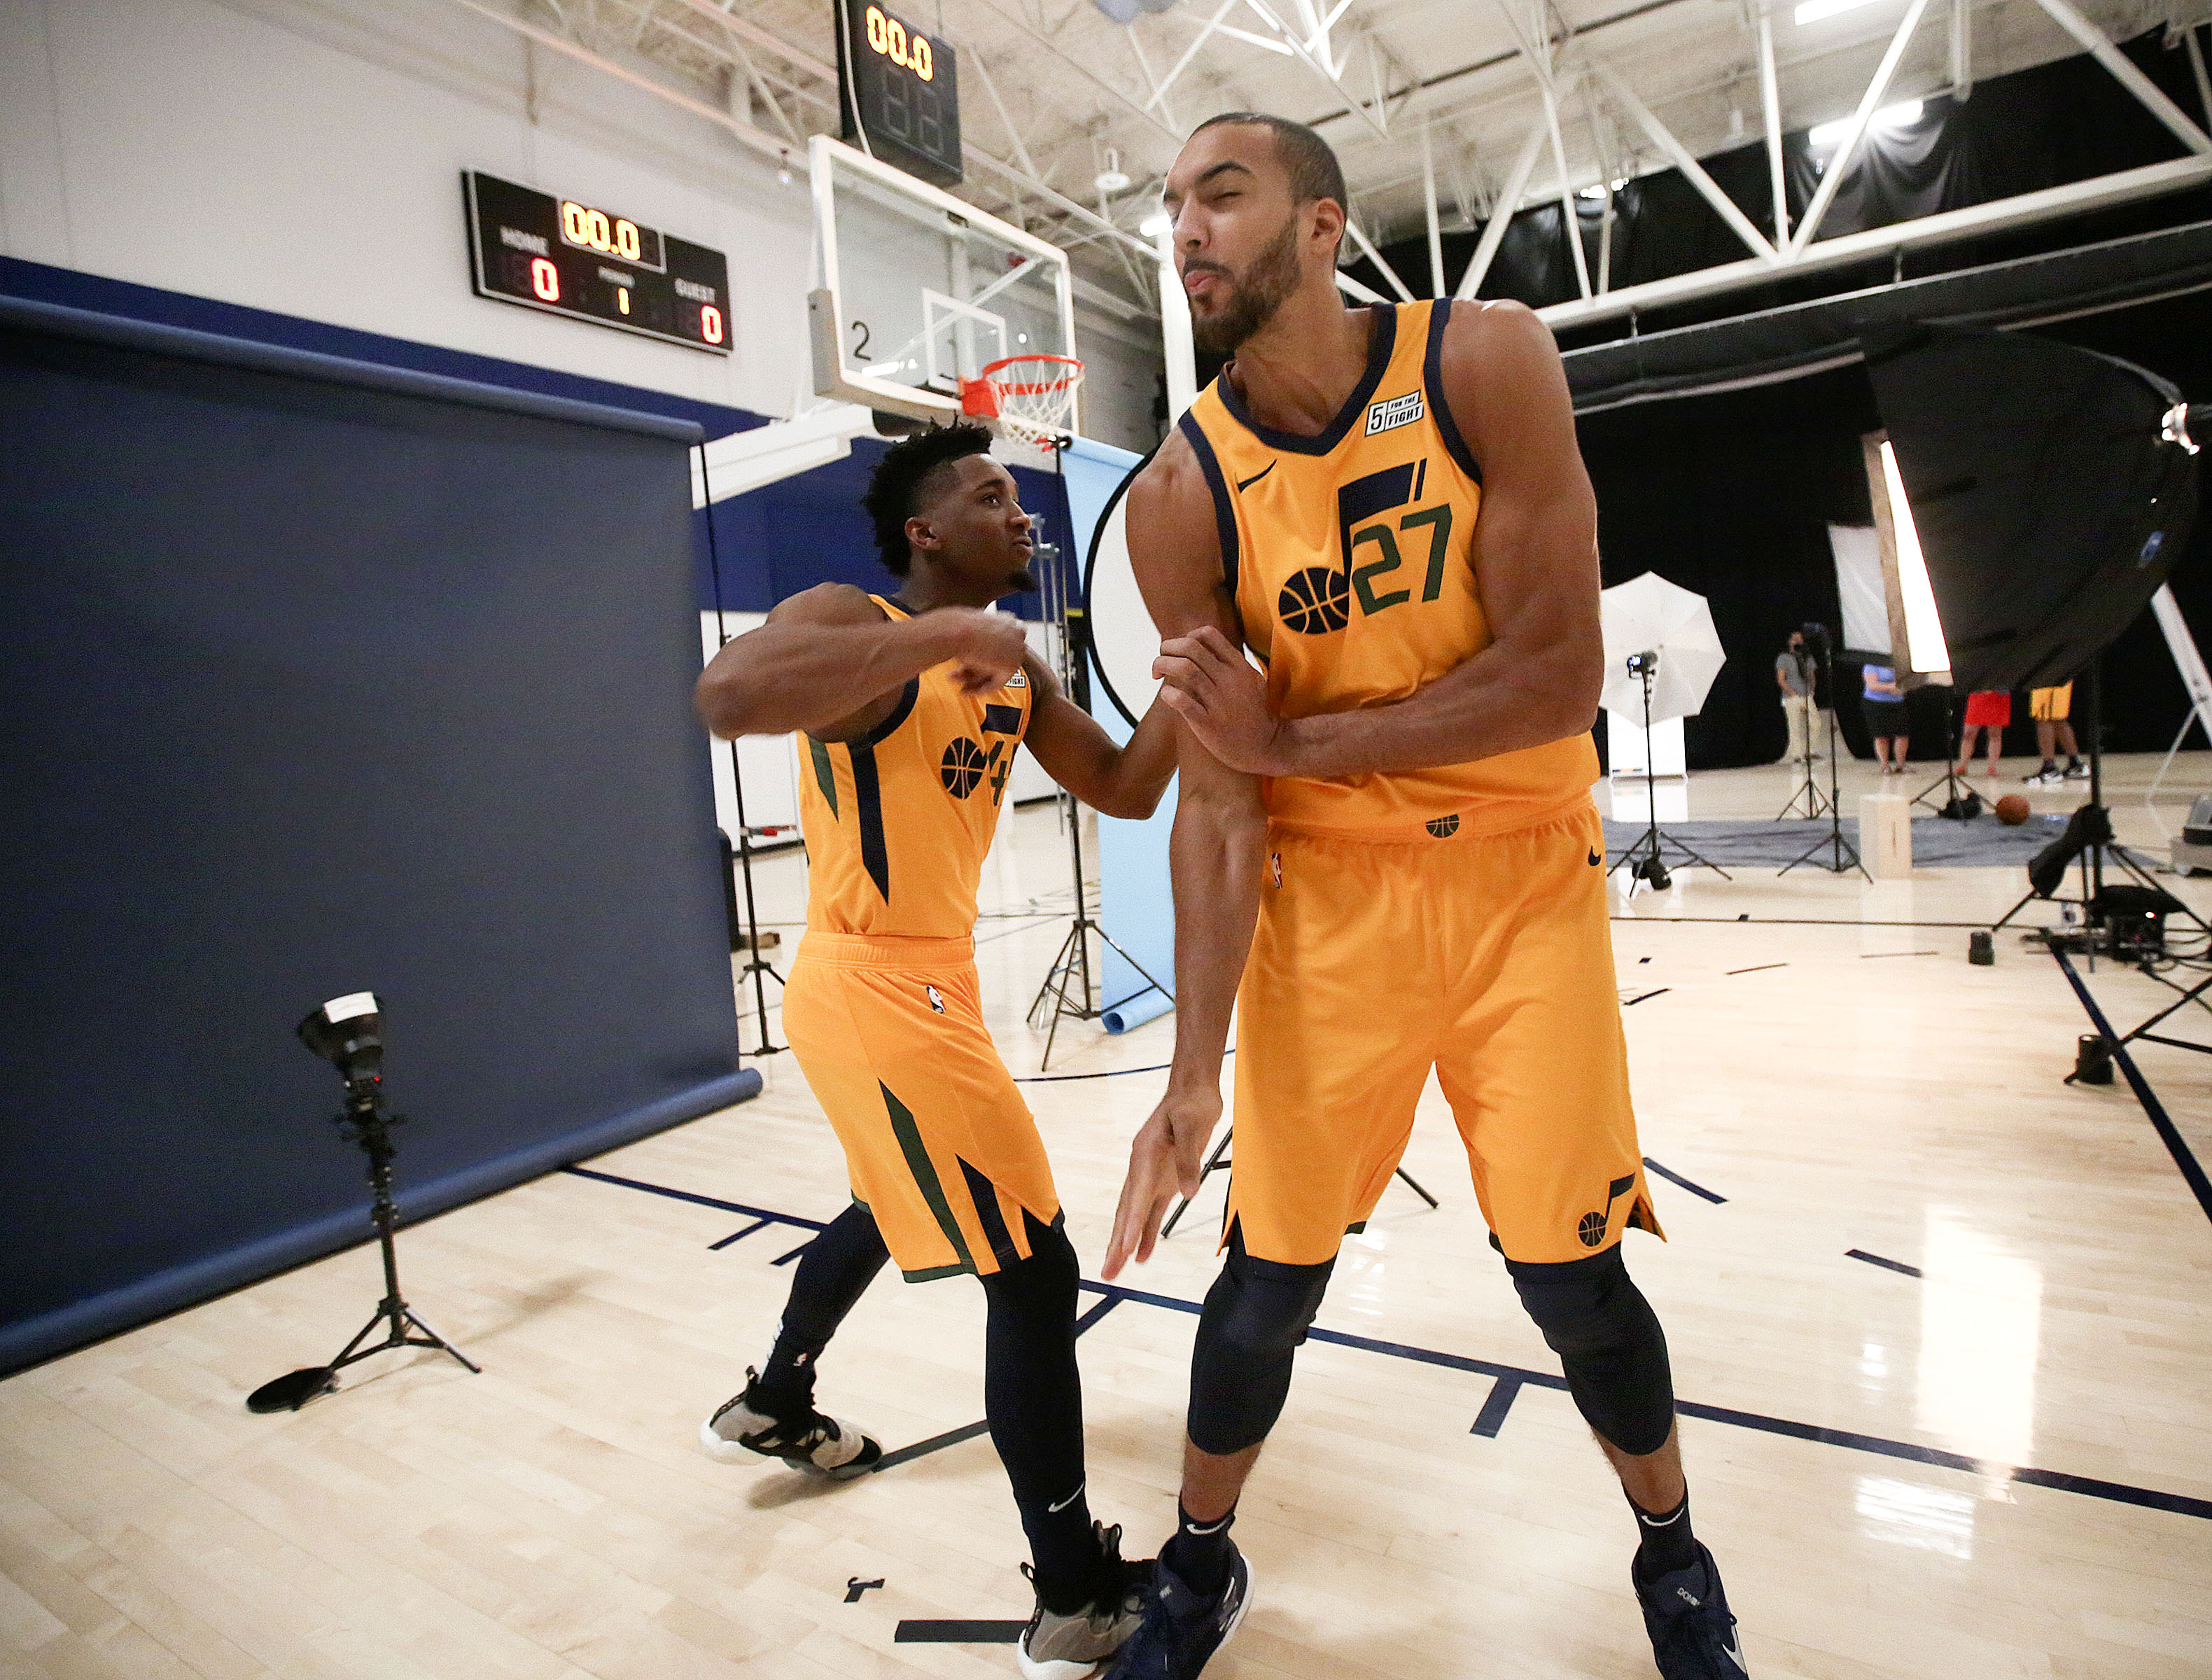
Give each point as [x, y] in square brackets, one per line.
[325, 677]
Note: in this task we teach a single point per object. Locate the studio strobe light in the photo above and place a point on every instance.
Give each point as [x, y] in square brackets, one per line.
[348, 1033]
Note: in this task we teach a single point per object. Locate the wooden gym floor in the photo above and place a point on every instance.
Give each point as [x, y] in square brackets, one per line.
[2029, 1294]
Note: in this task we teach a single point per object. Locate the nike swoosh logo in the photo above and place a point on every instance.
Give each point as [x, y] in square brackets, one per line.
[1212, 1528]
[1247, 483]
[1595, 859]
[1733, 1652]
[1071, 1499]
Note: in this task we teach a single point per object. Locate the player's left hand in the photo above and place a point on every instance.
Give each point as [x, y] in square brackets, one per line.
[1214, 689]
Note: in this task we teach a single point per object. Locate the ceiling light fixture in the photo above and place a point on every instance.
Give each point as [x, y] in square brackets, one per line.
[1112, 178]
[1903, 115]
[1813, 10]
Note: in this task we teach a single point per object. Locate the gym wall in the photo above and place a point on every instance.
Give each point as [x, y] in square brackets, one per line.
[324, 677]
[307, 159]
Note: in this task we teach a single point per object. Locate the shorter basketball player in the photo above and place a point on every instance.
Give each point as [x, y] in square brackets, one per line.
[909, 709]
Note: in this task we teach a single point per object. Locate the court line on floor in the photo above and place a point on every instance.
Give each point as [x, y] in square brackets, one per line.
[2176, 1145]
[1757, 968]
[967, 1431]
[1674, 1177]
[1640, 999]
[1495, 1408]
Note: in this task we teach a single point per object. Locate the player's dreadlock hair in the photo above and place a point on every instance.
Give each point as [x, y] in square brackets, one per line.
[895, 487]
[1314, 171]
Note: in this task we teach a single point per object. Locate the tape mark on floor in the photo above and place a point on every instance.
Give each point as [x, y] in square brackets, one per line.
[1876, 1260]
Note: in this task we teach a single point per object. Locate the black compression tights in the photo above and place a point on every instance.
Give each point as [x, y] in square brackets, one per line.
[1033, 1396]
[1032, 1393]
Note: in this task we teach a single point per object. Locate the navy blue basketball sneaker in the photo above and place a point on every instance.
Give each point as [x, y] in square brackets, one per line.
[1181, 1631]
[1693, 1631]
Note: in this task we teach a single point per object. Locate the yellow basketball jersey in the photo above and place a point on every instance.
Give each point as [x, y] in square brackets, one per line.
[896, 824]
[1351, 557]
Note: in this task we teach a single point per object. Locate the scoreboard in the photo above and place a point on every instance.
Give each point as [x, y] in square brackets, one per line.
[590, 264]
[901, 92]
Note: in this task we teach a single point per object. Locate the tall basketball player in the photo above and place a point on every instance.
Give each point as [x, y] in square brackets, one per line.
[909, 708]
[1387, 506]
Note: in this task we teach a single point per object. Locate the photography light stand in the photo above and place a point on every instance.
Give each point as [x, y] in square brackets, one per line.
[1961, 802]
[365, 1123]
[1642, 859]
[1842, 853]
[1069, 984]
[2099, 851]
[1809, 789]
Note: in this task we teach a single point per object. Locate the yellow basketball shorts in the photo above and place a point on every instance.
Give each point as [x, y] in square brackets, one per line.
[2051, 705]
[938, 1143]
[1487, 958]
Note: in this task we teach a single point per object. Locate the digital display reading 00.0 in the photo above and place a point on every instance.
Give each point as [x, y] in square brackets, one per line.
[905, 88]
[570, 258]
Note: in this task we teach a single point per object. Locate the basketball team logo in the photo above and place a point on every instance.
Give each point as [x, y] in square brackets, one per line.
[1315, 601]
[1443, 827]
[1594, 1226]
[963, 767]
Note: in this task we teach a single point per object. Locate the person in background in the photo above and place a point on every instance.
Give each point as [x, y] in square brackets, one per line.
[2050, 708]
[1794, 674]
[1887, 721]
[1988, 710]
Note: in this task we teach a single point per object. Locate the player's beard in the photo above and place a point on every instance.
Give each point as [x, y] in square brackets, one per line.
[1267, 281]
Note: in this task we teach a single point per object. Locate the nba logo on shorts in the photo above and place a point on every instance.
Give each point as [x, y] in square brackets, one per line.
[936, 999]
[1275, 862]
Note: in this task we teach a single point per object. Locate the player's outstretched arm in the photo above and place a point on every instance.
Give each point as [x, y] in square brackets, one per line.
[827, 662]
[1535, 566]
[1214, 858]
[1124, 780]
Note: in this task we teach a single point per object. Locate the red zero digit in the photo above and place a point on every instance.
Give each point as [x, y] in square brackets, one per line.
[710, 323]
[545, 280]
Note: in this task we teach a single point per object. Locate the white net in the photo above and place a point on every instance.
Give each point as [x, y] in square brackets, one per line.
[1032, 397]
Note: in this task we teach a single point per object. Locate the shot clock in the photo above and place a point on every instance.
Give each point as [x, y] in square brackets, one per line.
[901, 92]
[576, 259]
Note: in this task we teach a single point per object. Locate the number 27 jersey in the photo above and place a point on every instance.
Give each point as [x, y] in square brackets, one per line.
[1350, 554]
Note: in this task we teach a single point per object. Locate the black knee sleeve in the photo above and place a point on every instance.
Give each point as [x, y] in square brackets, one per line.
[1256, 1314]
[1608, 1339]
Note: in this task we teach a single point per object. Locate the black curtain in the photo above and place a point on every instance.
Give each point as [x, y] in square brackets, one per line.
[1730, 495]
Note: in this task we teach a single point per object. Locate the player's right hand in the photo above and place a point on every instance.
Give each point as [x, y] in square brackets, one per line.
[1164, 1162]
[986, 647]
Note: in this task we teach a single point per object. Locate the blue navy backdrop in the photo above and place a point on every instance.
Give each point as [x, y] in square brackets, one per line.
[323, 677]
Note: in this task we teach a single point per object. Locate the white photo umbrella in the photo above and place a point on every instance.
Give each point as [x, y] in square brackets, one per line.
[1647, 614]
[1667, 632]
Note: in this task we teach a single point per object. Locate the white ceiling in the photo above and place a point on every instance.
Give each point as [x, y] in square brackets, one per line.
[1048, 86]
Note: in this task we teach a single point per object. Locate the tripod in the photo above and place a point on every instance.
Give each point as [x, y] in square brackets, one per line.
[1215, 1164]
[366, 1124]
[1067, 982]
[1809, 789]
[1961, 802]
[1642, 859]
[1838, 849]
[2098, 849]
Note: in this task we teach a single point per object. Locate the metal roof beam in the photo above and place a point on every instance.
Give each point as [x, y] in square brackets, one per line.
[2146, 92]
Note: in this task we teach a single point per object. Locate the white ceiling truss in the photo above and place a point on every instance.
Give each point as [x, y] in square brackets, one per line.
[1443, 112]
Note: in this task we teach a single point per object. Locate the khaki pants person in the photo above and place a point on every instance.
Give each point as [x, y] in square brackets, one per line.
[1807, 728]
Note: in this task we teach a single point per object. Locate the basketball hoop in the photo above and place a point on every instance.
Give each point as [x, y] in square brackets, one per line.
[1031, 397]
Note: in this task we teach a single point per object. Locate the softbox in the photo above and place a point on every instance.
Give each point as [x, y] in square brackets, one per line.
[2048, 504]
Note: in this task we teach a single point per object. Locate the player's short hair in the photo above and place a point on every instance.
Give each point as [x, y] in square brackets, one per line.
[1314, 171]
[896, 487]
